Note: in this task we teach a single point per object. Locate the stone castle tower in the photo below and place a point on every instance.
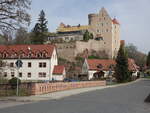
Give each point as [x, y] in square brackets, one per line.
[107, 30]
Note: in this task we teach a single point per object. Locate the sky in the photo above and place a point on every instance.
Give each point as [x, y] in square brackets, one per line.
[133, 15]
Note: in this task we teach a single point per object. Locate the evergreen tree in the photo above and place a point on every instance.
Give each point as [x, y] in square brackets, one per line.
[121, 70]
[87, 36]
[39, 32]
[148, 60]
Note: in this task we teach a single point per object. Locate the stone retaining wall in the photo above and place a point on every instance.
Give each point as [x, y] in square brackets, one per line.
[43, 88]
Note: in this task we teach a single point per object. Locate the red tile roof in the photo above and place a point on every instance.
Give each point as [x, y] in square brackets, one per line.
[93, 63]
[132, 65]
[59, 69]
[122, 42]
[115, 21]
[26, 51]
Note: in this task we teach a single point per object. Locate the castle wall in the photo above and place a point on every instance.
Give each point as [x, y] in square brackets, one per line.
[66, 51]
[92, 45]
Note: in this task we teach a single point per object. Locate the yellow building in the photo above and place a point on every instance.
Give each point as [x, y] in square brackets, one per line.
[62, 29]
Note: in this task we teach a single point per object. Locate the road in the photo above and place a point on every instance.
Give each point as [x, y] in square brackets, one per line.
[122, 99]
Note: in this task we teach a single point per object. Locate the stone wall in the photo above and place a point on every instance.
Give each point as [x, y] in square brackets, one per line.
[92, 45]
[66, 50]
[69, 51]
[43, 88]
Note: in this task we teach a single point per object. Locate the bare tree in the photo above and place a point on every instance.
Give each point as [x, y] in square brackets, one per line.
[13, 14]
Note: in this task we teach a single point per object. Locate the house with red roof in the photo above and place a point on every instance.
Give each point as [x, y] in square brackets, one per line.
[59, 73]
[104, 67]
[38, 61]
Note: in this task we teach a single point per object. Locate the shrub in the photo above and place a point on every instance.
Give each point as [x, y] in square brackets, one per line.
[13, 82]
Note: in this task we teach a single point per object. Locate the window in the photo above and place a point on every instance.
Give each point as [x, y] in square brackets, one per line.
[5, 74]
[102, 24]
[42, 74]
[42, 64]
[29, 64]
[20, 74]
[99, 38]
[12, 74]
[11, 64]
[29, 75]
[106, 30]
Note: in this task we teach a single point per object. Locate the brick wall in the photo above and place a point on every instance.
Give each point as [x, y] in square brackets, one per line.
[43, 88]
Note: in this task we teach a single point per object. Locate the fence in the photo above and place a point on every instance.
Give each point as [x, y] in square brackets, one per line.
[43, 88]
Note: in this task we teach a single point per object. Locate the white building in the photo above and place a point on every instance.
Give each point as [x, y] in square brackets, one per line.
[103, 68]
[38, 61]
[59, 73]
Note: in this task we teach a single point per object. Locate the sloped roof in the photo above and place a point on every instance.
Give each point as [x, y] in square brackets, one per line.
[106, 63]
[132, 65]
[115, 21]
[14, 51]
[93, 63]
[59, 69]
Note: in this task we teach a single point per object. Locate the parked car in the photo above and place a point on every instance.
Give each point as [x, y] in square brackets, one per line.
[70, 80]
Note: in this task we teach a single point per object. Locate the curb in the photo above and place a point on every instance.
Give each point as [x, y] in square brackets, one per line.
[58, 95]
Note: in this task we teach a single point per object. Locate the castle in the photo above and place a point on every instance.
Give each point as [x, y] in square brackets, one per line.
[107, 29]
[106, 32]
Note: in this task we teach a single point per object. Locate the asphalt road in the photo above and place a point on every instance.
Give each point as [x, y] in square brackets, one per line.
[122, 99]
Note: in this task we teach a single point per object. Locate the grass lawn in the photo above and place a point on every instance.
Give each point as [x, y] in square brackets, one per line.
[147, 77]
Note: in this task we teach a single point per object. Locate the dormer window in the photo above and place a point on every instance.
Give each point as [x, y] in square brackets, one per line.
[4, 55]
[39, 55]
[44, 54]
[29, 55]
[0, 55]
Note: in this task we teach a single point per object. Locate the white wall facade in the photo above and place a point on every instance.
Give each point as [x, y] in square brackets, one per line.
[60, 77]
[34, 69]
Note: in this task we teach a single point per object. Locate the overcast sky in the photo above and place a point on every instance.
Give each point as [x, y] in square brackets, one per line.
[133, 15]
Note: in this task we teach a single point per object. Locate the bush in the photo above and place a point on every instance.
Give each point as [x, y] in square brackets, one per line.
[93, 57]
[13, 82]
